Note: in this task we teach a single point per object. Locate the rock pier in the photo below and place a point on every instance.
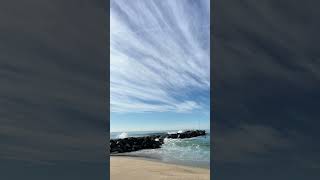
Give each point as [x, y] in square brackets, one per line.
[148, 142]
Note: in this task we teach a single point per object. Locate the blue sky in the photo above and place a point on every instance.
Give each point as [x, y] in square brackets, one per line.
[160, 64]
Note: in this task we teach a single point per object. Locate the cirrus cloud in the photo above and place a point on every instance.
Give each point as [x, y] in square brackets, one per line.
[159, 55]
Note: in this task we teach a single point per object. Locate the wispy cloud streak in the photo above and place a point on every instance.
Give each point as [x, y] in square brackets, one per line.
[159, 55]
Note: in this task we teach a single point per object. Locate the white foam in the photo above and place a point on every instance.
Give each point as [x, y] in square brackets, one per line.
[123, 135]
[172, 132]
[175, 132]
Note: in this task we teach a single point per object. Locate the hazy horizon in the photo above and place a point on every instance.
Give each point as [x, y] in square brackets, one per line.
[156, 130]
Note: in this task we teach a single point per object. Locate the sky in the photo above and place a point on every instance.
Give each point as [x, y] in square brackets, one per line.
[53, 66]
[266, 98]
[159, 64]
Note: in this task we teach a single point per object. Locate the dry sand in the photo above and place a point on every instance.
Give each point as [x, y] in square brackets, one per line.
[130, 168]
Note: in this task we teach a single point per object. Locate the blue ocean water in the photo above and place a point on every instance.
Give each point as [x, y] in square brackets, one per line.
[191, 152]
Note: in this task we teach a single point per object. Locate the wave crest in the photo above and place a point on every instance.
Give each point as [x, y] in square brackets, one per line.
[122, 135]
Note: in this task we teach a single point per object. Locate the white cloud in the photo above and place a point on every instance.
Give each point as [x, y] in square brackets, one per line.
[159, 54]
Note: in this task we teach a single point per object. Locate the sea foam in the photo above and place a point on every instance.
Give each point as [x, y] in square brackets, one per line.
[123, 135]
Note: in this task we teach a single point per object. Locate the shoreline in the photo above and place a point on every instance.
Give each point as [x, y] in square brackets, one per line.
[147, 158]
[123, 167]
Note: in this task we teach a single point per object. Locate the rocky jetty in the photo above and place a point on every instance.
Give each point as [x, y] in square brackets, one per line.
[148, 142]
[135, 144]
[187, 134]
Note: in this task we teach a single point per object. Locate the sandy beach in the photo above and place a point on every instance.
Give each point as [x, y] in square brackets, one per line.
[124, 168]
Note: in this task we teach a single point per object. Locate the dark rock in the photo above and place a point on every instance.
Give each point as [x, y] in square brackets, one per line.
[148, 142]
[187, 134]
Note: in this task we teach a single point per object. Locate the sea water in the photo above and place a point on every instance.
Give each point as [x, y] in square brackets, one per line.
[190, 151]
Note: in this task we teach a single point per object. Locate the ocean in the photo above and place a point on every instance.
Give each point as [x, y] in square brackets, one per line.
[190, 152]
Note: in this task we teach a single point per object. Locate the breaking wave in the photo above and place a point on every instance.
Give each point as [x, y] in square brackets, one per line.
[122, 135]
